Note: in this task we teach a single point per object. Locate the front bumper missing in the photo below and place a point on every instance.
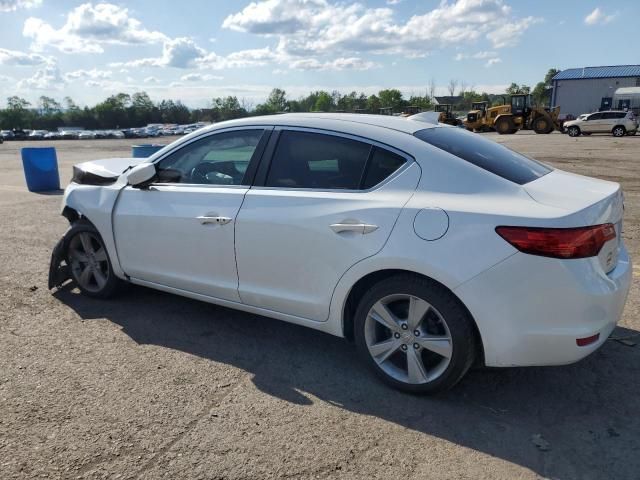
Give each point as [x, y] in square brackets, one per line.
[59, 271]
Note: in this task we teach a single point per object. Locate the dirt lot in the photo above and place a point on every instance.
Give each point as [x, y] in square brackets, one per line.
[157, 386]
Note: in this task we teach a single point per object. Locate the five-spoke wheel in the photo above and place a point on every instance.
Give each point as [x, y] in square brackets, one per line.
[89, 262]
[415, 334]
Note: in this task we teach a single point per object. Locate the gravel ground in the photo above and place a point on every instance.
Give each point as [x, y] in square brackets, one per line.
[157, 386]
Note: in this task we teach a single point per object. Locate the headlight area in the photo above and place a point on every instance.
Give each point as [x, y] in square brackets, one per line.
[82, 177]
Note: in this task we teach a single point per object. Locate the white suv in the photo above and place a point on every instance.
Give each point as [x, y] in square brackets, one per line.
[617, 123]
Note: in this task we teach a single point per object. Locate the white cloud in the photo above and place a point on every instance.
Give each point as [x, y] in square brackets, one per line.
[393, 2]
[13, 5]
[598, 17]
[47, 78]
[200, 77]
[492, 61]
[88, 27]
[93, 74]
[478, 55]
[314, 27]
[151, 80]
[352, 63]
[13, 57]
[508, 34]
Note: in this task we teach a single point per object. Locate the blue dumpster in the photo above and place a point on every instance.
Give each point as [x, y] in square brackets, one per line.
[144, 151]
[41, 169]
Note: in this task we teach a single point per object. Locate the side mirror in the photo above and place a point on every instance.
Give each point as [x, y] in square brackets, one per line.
[141, 175]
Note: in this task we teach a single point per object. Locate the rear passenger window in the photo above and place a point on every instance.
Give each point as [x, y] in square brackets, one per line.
[313, 160]
[381, 165]
[484, 153]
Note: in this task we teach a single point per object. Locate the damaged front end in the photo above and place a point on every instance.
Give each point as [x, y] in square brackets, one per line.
[93, 190]
[59, 270]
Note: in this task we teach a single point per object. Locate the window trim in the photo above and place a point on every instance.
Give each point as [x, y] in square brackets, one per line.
[270, 150]
[252, 168]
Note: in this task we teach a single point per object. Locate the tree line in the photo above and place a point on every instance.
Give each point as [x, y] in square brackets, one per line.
[124, 111]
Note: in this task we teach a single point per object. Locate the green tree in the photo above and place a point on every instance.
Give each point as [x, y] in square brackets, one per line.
[515, 89]
[391, 98]
[17, 114]
[324, 102]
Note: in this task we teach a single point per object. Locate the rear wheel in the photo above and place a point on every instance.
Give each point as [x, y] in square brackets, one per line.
[505, 126]
[89, 261]
[414, 334]
[573, 131]
[619, 131]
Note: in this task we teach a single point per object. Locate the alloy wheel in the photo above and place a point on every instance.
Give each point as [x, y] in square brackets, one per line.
[89, 263]
[408, 339]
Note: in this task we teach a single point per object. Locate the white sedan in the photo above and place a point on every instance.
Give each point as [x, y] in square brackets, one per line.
[432, 248]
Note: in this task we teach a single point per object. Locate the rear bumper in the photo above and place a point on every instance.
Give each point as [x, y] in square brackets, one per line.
[530, 310]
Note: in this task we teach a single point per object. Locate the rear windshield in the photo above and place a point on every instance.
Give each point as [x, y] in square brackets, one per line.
[484, 153]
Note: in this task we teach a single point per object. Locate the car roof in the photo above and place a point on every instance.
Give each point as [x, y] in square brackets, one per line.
[333, 120]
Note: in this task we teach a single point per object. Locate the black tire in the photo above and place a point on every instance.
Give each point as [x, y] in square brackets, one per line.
[79, 231]
[573, 131]
[505, 126]
[456, 317]
[619, 131]
[542, 125]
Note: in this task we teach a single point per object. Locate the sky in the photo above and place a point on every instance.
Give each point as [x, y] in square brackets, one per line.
[196, 50]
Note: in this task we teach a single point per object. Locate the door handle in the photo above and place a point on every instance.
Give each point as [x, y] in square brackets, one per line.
[206, 220]
[353, 227]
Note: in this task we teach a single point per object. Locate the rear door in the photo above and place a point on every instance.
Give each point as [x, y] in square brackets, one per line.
[324, 202]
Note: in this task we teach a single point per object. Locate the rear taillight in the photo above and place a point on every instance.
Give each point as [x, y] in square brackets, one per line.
[580, 242]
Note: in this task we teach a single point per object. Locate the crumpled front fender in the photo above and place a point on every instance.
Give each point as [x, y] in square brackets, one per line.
[59, 270]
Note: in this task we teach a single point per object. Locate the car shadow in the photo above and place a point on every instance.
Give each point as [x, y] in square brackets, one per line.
[578, 421]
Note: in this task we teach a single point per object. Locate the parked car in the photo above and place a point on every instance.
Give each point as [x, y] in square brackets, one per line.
[617, 123]
[6, 135]
[433, 248]
[37, 134]
[86, 135]
[19, 134]
[69, 134]
[115, 134]
[53, 136]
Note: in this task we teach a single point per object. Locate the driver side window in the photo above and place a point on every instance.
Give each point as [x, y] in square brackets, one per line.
[218, 159]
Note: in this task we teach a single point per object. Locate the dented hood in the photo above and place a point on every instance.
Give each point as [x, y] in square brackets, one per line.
[109, 167]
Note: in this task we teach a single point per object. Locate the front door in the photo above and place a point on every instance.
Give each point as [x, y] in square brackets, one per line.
[179, 232]
[593, 123]
[327, 202]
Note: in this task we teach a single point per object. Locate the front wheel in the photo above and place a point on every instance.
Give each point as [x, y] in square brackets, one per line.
[414, 334]
[89, 261]
[573, 131]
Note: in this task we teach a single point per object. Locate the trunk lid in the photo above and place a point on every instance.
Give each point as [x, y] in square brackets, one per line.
[588, 201]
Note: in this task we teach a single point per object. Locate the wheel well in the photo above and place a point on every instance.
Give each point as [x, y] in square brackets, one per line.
[621, 126]
[368, 281]
[70, 214]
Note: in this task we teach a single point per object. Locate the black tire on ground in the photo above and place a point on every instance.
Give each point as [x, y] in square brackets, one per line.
[573, 131]
[85, 252]
[505, 126]
[456, 317]
[542, 125]
[619, 131]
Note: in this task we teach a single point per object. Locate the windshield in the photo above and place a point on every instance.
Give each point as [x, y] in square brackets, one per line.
[483, 153]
